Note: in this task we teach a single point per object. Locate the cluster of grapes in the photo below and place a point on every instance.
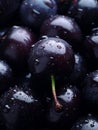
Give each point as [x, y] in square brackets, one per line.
[48, 64]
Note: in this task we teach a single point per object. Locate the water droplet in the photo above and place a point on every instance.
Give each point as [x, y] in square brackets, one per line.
[51, 58]
[33, 45]
[31, 4]
[68, 93]
[65, 32]
[57, 36]
[25, 3]
[14, 90]
[77, 126]
[44, 37]
[7, 106]
[89, 114]
[36, 12]
[80, 125]
[6, 109]
[59, 47]
[12, 98]
[36, 61]
[92, 125]
[28, 75]
[49, 3]
[86, 121]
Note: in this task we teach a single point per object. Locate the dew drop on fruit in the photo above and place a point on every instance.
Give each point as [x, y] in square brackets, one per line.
[33, 45]
[92, 125]
[59, 47]
[36, 12]
[80, 125]
[26, 3]
[49, 3]
[6, 108]
[86, 121]
[36, 61]
[44, 37]
[77, 126]
[51, 57]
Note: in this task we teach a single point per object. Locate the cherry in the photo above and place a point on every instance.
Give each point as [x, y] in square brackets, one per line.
[6, 76]
[79, 71]
[69, 98]
[90, 92]
[91, 49]
[85, 13]
[34, 12]
[16, 45]
[51, 56]
[64, 27]
[20, 108]
[89, 122]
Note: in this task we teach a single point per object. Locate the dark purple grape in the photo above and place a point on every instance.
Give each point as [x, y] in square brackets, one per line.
[89, 122]
[20, 109]
[16, 46]
[79, 72]
[34, 12]
[51, 56]
[90, 92]
[6, 76]
[91, 50]
[64, 27]
[69, 97]
[85, 13]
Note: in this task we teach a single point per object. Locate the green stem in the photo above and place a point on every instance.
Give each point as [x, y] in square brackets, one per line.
[58, 106]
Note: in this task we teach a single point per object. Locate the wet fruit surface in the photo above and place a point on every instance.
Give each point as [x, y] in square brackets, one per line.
[48, 64]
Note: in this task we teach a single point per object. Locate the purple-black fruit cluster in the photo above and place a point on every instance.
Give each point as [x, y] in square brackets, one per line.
[48, 64]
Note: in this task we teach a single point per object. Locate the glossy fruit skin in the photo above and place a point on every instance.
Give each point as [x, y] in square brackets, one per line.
[85, 13]
[51, 56]
[64, 27]
[90, 92]
[89, 122]
[79, 71]
[6, 76]
[34, 12]
[16, 45]
[69, 96]
[20, 109]
[8, 9]
[91, 50]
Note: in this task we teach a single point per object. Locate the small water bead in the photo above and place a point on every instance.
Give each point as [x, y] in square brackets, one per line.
[33, 45]
[77, 126]
[36, 12]
[28, 75]
[7, 106]
[49, 3]
[59, 47]
[44, 37]
[51, 58]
